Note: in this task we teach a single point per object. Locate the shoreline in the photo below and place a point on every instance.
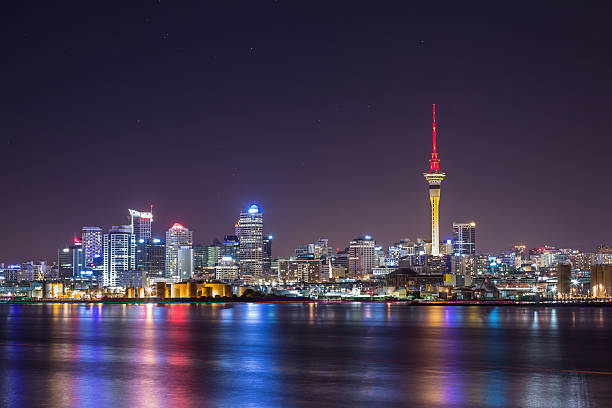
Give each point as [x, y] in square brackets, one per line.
[163, 301]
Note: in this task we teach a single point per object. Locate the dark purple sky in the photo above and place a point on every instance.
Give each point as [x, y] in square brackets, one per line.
[319, 111]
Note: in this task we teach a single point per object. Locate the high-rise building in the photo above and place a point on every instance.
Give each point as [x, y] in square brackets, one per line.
[64, 261]
[153, 258]
[91, 237]
[464, 238]
[119, 253]
[251, 244]
[141, 223]
[214, 253]
[200, 257]
[176, 237]
[78, 257]
[267, 255]
[362, 257]
[185, 262]
[434, 178]
[231, 247]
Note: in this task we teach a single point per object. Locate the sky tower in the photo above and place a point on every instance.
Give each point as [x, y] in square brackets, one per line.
[434, 177]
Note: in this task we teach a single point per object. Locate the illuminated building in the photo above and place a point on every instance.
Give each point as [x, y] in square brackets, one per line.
[119, 253]
[251, 244]
[176, 237]
[231, 247]
[152, 259]
[226, 269]
[141, 223]
[200, 257]
[464, 238]
[64, 261]
[601, 281]
[362, 257]
[91, 237]
[300, 270]
[214, 252]
[267, 255]
[185, 262]
[78, 258]
[434, 178]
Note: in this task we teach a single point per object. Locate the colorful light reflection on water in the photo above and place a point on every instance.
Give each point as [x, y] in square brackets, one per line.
[303, 354]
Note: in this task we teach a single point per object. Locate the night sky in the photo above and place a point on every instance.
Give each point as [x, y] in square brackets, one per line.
[318, 111]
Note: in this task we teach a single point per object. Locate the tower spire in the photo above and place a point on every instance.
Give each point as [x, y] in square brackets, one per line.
[434, 163]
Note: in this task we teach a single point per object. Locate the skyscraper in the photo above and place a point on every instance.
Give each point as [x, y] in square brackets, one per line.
[267, 255]
[434, 178]
[464, 238]
[176, 237]
[185, 262]
[362, 257]
[91, 237]
[119, 253]
[141, 224]
[231, 247]
[251, 244]
[78, 257]
[153, 257]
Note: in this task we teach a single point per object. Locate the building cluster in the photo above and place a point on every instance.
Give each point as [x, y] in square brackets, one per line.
[129, 260]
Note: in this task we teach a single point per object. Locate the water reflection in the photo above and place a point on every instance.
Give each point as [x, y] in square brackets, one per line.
[303, 354]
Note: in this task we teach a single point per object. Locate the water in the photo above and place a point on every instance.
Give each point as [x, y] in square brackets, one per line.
[304, 354]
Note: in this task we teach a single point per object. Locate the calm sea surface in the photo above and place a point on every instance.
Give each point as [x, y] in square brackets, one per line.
[304, 354]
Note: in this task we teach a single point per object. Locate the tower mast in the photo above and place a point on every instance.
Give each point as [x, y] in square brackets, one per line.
[434, 178]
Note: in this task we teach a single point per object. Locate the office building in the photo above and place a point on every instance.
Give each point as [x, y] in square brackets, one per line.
[119, 253]
[267, 255]
[464, 238]
[362, 257]
[91, 237]
[176, 237]
[200, 258]
[65, 263]
[251, 244]
[301, 270]
[564, 281]
[231, 247]
[152, 259]
[141, 223]
[434, 178]
[185, 262]
[226, 269]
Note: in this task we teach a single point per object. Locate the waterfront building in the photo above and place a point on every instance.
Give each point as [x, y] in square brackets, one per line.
[132, 279]
[251, 244]
[434, 178]
[362, 257]
[177, 237]
[78, 258]
[601, 281]
[464, 238]
[564, 279]
[301, 270]
[119, 253]
[91, 237]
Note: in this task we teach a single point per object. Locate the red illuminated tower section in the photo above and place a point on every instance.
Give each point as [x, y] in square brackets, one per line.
[434, 178]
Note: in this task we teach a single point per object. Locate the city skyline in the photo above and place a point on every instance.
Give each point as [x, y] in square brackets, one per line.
[336, 130]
